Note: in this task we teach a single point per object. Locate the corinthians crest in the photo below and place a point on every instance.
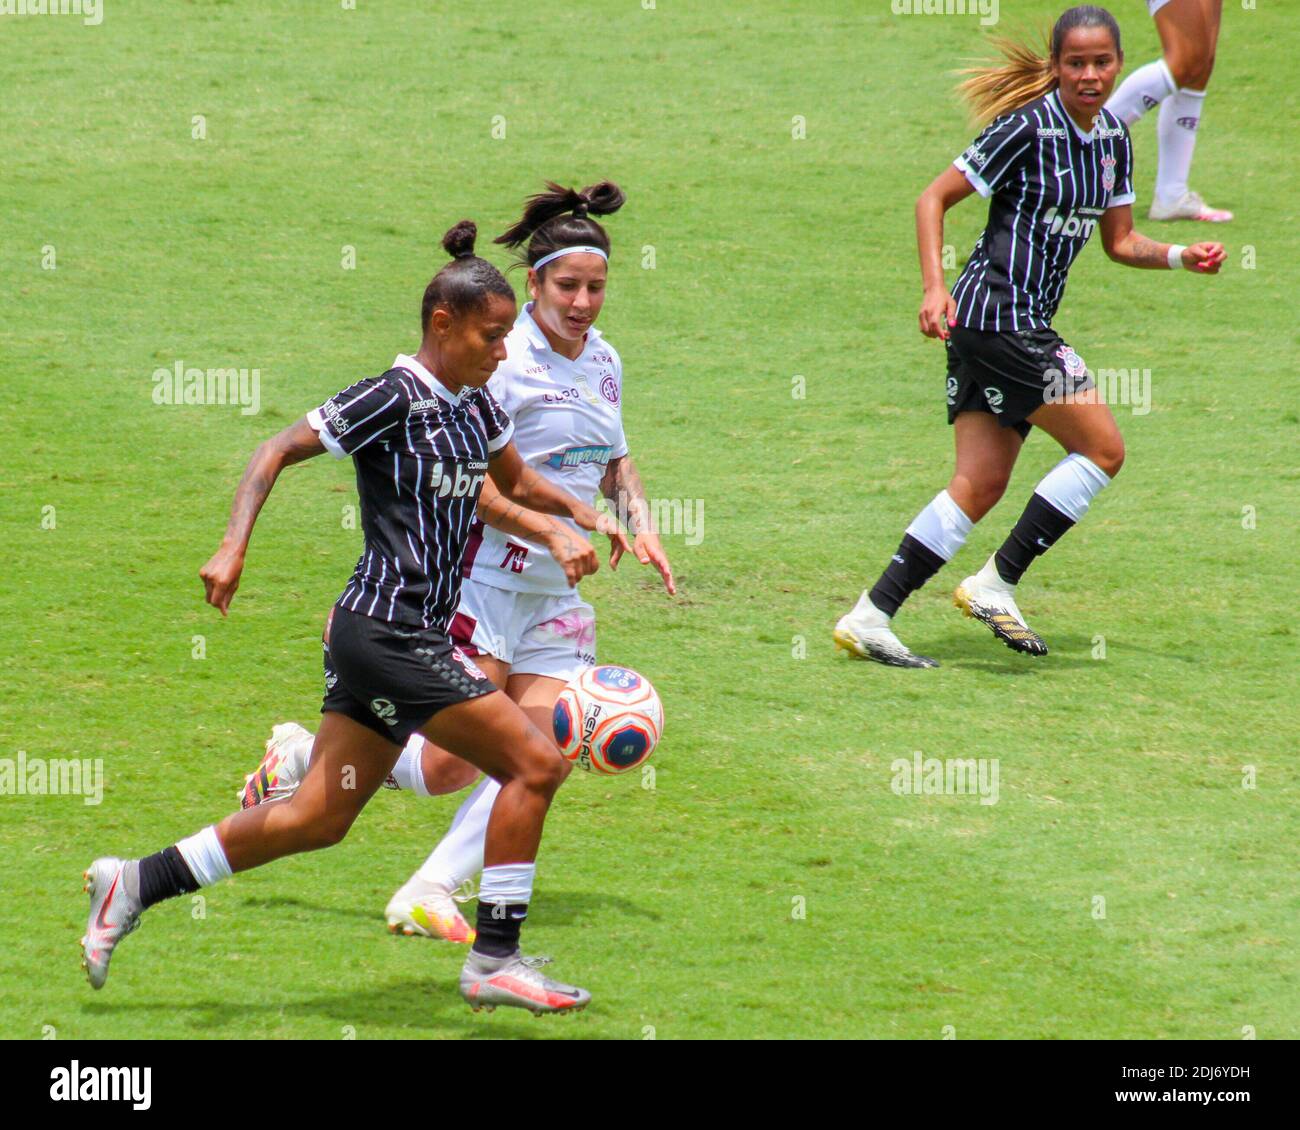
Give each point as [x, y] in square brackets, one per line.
[1108, 173]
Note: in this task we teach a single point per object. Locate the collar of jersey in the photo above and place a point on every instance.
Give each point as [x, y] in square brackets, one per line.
[423, 374]
[533, 332]
[1086, 138]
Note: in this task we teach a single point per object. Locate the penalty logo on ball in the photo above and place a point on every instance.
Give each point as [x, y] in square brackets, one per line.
[608, 720]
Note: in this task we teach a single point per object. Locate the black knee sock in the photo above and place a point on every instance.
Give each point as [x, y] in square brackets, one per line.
[1036, 532]
[497, 926]
[913, 565]
[164, 875]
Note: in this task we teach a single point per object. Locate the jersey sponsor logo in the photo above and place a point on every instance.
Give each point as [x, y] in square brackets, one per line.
[384, 710]
[1104, 132]
[564, 396]
[1076, 222]
[994, 398]
[515, 557]
[1108, 173]
[602, 358]
[457, 479]
[1052, 131]
[975, 156]
[1073, 363]
[577, 456]
[534, 370]
[421, 405]
[339, 423]
[609, 388]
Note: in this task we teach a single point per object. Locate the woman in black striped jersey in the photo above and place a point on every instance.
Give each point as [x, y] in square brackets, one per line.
[1054, 164]
[422, 436]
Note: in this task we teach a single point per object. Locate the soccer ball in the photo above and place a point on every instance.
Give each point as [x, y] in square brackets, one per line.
[608, 719]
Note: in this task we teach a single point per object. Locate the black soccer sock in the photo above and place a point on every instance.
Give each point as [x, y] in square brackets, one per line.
[913, 565]
[497, 925]
[1035, 533]
[164, 875]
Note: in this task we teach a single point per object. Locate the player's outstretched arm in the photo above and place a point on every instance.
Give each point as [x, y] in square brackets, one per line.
[622, 486]
[1125, 245]
[220, 575]
[520, 484]
[575, 555]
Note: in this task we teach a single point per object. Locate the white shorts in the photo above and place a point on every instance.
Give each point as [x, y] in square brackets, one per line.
[537, 633]
[1153, 6]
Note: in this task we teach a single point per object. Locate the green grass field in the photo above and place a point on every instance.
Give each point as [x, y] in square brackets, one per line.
[771, 884]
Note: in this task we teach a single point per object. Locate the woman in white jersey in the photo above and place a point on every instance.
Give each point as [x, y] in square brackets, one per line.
[1176, 82]
[520, 614]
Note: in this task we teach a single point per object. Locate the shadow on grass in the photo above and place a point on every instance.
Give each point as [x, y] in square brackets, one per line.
[429, 1007]
[552, 907]
[964, 649]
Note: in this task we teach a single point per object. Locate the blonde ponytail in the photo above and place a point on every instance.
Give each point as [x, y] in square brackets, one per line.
[995, 89]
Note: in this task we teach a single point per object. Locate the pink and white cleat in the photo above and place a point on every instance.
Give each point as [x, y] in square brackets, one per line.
[113, 886]
[1189, 206]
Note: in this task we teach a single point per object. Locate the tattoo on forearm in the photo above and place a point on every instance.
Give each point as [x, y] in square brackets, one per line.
[1144, 252]
[623, 488]
[249, 496]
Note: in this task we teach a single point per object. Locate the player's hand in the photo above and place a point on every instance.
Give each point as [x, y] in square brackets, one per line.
[575, 555]
[649, 551]
[1206, 258]
[221, 577]
[608, 525]
[938, 313]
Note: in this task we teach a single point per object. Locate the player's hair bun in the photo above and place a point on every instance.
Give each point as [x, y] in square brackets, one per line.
[459, 240]
[602, 199]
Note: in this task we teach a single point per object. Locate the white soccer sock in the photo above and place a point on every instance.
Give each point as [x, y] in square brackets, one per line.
[1072, 484]
[408, 773]
[508, 883]
[942, 526]
[205, 857]
[459, 855]
[866, 614]
[1143, 90]
[1180, 116]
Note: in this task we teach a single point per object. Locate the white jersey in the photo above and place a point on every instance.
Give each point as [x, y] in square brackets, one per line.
[568, 425]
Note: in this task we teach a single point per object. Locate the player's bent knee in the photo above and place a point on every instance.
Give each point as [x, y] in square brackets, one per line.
[1109, 457]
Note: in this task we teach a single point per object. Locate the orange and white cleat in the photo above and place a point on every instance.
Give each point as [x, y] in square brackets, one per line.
[516, 982]
[429, 910]
[1189, 206]
[288, 752]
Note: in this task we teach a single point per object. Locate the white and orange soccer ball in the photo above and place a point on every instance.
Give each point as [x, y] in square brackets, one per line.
[608, 719]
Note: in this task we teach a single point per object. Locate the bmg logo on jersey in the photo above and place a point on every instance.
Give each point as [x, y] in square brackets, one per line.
[1076, 222]
[457, 480]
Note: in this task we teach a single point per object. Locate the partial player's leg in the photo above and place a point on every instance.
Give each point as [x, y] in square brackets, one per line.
[985, 455]
[494, 734]
[1189, 34]
[1095, 452]
[349, 764]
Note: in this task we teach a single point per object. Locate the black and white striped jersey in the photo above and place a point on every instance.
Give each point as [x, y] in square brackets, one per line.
[421, 454]
[1048, 183]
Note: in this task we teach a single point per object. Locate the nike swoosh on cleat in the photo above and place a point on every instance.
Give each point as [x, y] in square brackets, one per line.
[102, 924]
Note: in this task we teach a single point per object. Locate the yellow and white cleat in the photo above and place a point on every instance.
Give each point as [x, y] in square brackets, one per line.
[996, 609]
[288, 752]
[428, 910]
[876, 641]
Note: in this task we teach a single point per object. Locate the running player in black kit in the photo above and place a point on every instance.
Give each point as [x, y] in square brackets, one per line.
[422, 437]
[1054, 165]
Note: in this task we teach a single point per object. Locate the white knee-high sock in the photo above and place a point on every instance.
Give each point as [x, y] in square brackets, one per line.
[408, 772]
[459, 855]
[1180, 117]
[205, 857]
[1143, 90]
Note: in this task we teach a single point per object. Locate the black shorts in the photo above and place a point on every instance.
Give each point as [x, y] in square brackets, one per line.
[394, 677]
[1011, 374]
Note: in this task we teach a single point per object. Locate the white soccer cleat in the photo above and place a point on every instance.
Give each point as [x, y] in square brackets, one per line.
[995, 607]
[516, 982]
[1189, 206]
[114, 912]
[429, 910]
[870, 637]
[288, 753]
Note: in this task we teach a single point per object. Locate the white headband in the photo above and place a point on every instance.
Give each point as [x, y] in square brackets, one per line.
[569, 251]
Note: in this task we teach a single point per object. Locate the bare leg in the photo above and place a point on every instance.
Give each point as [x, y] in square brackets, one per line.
[1086, 428]
[986, 455]
[349, 762]
[443, 771]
